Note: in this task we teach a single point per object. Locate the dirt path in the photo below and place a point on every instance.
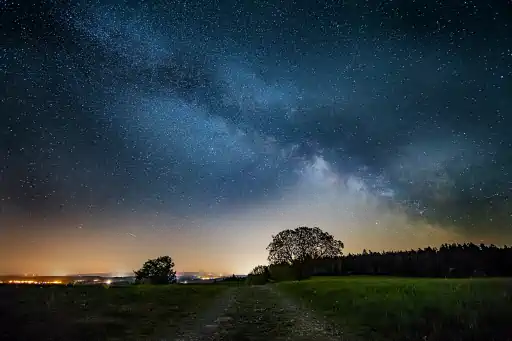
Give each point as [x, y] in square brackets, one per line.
[204, 325]
[259, 313]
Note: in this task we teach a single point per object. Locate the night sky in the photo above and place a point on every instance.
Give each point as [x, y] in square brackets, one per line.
[133, 129]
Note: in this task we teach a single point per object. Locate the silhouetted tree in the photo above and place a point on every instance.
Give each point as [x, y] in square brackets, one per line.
[157, 271]
[301, 247]
[259, 275]
[259, 270]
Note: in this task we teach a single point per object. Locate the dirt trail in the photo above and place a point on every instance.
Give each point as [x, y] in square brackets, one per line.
[259, 313]
[204, 325]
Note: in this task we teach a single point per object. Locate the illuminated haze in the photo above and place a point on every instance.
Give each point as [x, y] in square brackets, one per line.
[136, 129]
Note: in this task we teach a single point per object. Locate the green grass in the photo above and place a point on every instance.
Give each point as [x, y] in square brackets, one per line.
[98, 313]
[384, 308]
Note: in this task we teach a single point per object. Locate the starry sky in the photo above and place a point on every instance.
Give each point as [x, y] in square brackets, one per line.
[133, 129]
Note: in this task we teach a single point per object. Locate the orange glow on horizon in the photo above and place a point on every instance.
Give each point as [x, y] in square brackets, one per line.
[33, 282]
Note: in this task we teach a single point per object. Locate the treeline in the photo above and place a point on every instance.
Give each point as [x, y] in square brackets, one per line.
[449, 260]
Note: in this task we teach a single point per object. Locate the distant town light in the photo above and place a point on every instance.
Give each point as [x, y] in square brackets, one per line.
[33, 282]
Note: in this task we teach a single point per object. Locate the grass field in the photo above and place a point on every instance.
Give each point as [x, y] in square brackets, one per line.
[384, 308]
[98, 313]
[374, 308]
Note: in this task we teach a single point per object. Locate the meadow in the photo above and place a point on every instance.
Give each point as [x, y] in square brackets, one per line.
[391, 308]
[364, 308]
[99, 313]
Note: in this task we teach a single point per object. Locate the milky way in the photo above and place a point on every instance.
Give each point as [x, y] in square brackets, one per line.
[354, 113]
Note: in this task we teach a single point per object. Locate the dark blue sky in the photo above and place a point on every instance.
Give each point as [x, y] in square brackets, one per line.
[202, 110]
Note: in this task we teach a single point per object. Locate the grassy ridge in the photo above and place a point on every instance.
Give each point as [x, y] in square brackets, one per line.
[412, 309]
[98, 313]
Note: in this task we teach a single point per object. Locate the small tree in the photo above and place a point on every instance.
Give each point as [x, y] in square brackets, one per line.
[157, 271]
[259, 275]
[259, 270]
